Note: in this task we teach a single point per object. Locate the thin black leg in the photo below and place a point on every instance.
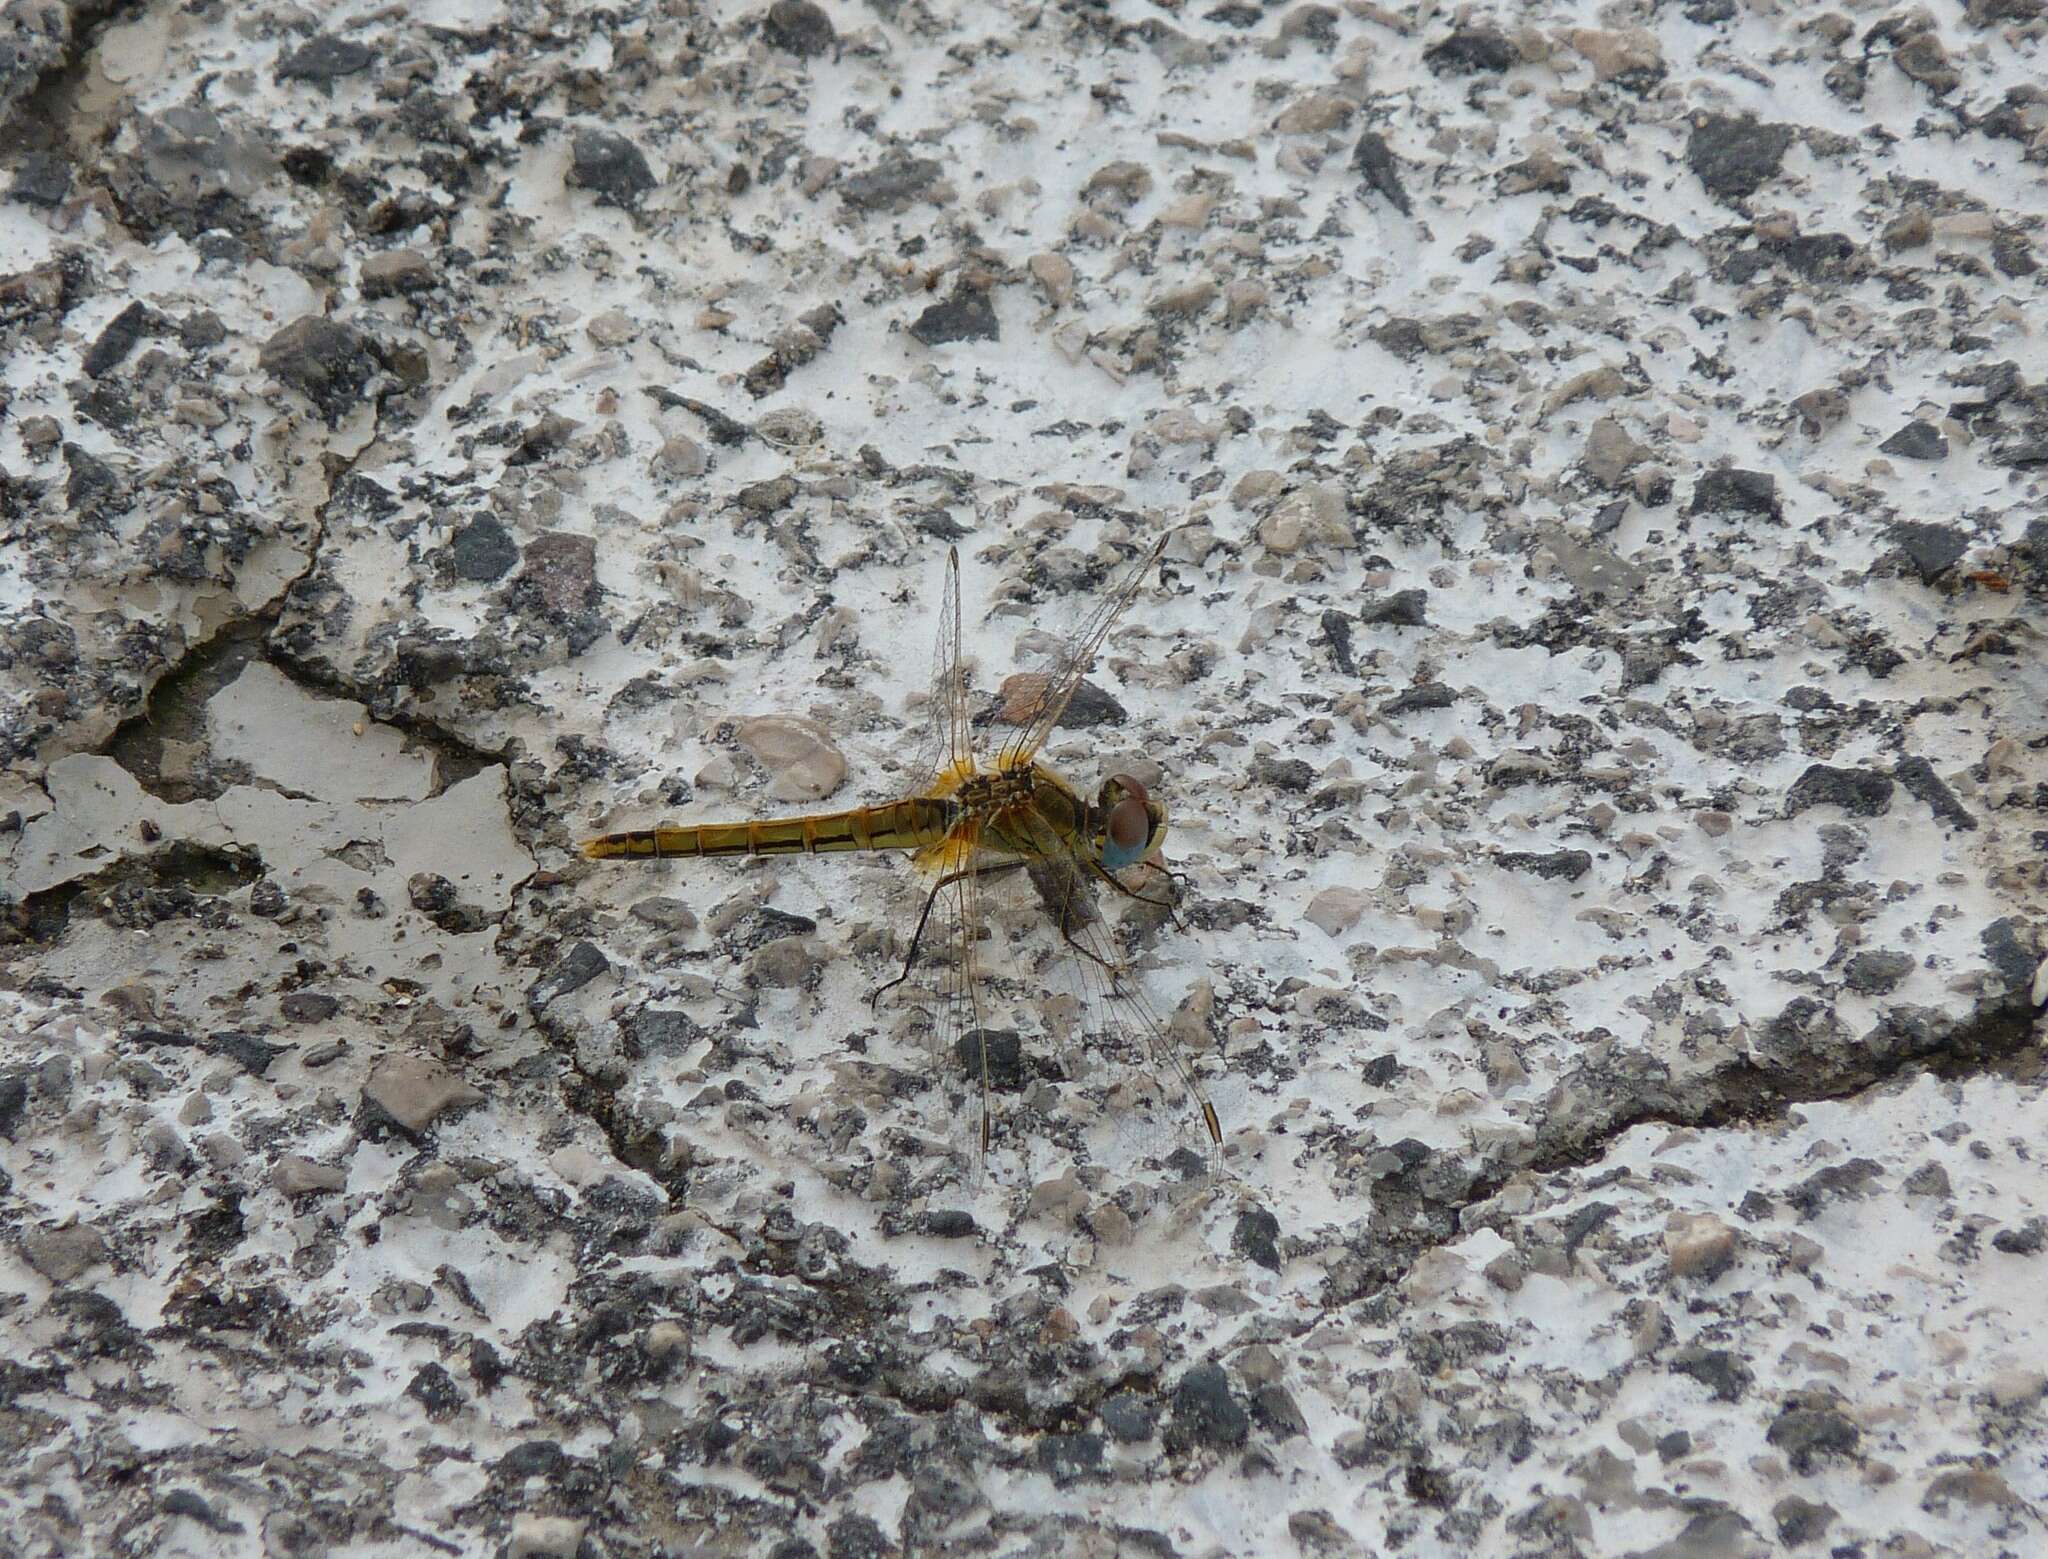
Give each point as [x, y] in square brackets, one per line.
[1064, 914]
[917, 937]
[1143, 898]
[1133, 893]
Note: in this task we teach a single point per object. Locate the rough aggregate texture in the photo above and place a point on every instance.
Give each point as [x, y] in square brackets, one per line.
[1597, 677]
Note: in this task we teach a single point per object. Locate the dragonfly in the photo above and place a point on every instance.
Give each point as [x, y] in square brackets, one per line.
[970, 817]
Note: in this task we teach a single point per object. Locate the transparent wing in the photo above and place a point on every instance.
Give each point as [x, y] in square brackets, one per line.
[972, 1014]
[948, 738]
[1077, 657]
[960, 1038]
[1115, 1015]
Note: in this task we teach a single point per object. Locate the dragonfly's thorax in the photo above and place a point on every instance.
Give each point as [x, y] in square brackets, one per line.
[989, 793]
[988, 788]
[1026, 809]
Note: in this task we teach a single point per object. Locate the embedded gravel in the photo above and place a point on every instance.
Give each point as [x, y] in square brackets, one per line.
[1596, 676]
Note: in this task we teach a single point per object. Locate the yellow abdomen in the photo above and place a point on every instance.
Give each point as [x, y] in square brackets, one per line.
[895, 825]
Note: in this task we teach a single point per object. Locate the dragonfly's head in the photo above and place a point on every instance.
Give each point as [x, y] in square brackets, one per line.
[1133, 824]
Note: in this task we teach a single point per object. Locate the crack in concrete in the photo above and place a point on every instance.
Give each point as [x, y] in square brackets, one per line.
[1742, 1093]
[456, 758]
[1999, 1037]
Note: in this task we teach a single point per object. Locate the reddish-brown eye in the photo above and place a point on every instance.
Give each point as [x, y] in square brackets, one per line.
[1129, 826]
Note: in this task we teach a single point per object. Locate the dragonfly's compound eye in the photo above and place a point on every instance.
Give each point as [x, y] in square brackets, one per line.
[1120, 787]
[1127, 822]
[1129, 826]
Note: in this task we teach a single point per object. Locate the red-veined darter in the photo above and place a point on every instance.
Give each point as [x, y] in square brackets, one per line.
[971, 817]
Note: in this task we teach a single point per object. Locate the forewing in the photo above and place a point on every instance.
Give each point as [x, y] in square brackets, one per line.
[1116, 1017]
[948, 738]
[964, 1027]
[948, 975]
[1077, 657]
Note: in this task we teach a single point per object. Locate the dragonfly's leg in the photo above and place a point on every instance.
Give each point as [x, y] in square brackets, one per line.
[917, 937]
[1176, 889]
[1115, 971]
[1145, 898]
[875, 996]
[1070, 921]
